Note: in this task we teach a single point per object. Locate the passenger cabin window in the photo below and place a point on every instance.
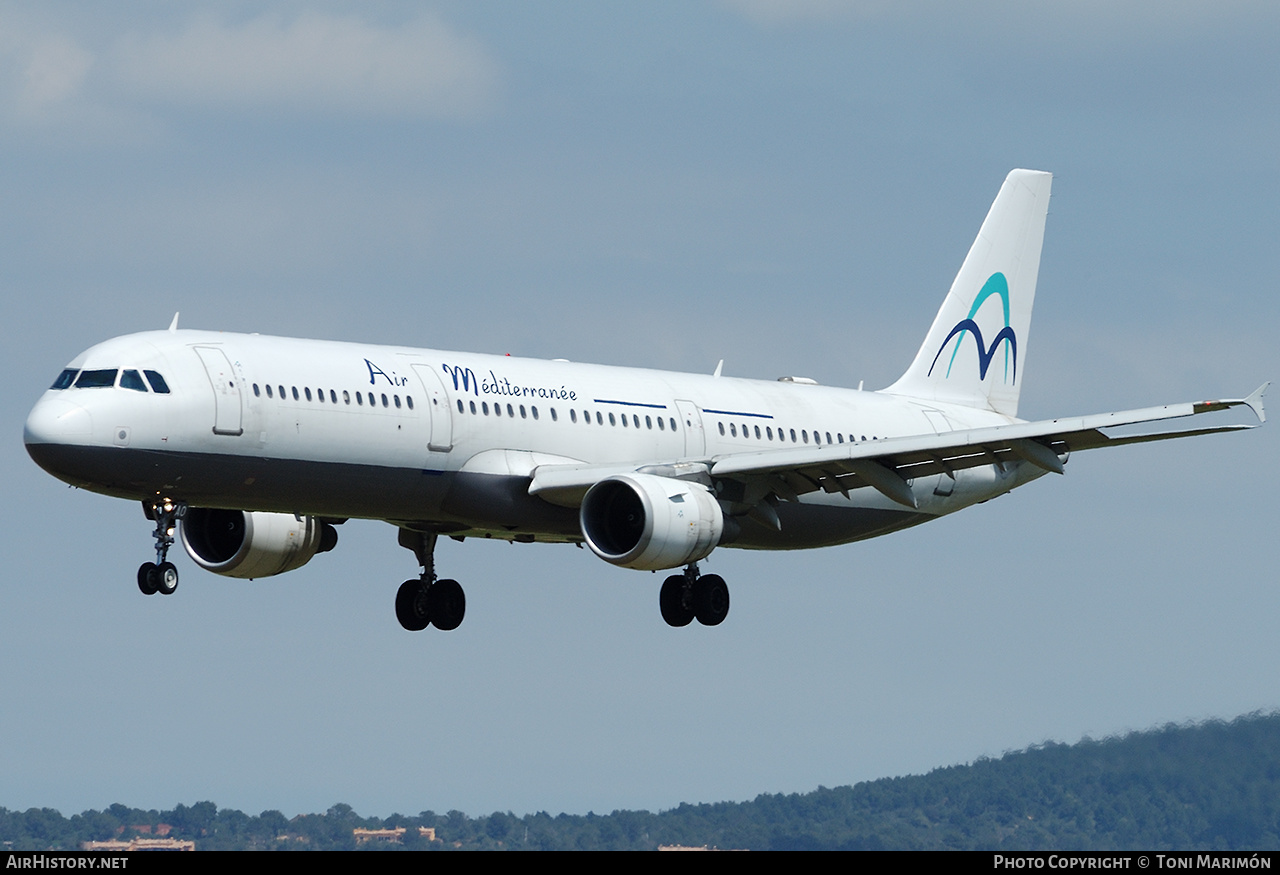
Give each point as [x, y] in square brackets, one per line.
[98, 379]
[65, 379]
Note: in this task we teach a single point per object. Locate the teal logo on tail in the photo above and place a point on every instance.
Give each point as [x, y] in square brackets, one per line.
[996, 284]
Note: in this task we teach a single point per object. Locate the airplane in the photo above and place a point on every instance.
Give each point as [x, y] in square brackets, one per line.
[260, 446]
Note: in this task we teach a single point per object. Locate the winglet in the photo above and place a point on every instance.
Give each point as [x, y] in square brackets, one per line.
[173, 326]
[1254, 402]
[719, 368]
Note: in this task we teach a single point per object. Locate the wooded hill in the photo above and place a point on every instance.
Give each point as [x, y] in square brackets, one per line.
[1207, 786]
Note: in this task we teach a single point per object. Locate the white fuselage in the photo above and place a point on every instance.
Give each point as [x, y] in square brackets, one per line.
[450, 441]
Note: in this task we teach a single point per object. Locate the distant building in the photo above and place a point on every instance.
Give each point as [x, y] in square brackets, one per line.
[390, 835]
[140, 845]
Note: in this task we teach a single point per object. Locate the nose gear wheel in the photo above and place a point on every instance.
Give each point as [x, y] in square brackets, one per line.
[161, 576]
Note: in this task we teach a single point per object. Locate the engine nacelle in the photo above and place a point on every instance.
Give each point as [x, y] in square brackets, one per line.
[239, 543]
[649, 522]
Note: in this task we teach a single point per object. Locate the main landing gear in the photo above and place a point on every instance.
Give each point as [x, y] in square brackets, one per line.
[161, 576]
[427, 601]
[691, 595]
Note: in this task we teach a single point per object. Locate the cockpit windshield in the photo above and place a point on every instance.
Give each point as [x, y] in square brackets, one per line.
[158, 385]
[96, 379]
[105, 378]
[132, 380]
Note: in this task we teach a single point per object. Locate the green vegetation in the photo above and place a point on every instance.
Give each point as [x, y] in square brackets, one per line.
[1208, 786]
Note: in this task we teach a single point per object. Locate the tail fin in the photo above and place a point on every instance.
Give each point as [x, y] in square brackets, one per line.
[973, 354]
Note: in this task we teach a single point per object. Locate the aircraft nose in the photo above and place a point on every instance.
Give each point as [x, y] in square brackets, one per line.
[56, 421]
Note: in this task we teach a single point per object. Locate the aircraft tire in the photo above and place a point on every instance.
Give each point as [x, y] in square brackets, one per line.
[448, 604]
[412, 605]
[710, 599]
[671, 602]
[166, 577]
[147, 578]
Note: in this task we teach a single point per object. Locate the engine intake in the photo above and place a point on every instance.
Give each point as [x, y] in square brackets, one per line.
[239, 543]
[650, 523]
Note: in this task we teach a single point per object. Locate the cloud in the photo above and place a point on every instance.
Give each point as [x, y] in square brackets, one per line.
[772, 12]
[314, 62]
[1092, 18]
[52, 69]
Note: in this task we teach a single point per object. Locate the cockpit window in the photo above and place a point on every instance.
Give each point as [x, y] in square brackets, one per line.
[65, 379]
[96, 379]
[158, 385]
[132, 380]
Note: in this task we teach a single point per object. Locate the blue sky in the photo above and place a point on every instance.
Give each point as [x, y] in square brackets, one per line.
[787, 186]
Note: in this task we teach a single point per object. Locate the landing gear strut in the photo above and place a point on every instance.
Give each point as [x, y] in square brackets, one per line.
[427, 601]
[161, 576]
[691, 595]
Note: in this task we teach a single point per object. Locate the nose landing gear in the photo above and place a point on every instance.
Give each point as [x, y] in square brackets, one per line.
[161, 576]
[691, 595]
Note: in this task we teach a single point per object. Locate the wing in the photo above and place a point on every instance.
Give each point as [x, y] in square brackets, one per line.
[888, 464]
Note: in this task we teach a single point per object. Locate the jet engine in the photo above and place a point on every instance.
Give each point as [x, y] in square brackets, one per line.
[648, 522]
[239, 543]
